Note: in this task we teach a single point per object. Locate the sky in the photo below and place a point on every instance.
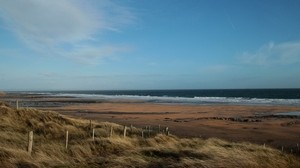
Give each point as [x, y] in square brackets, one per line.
[142, 44]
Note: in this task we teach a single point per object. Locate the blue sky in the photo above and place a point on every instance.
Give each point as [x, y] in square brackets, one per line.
[142, 44]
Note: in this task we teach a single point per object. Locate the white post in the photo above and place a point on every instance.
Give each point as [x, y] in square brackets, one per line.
[30, 142]
[124, 131]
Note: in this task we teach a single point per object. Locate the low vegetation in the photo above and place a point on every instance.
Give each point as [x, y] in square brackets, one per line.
[133, 151]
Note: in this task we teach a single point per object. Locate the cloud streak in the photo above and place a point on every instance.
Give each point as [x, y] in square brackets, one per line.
[86, 54]
[57, 27]
[274, 54]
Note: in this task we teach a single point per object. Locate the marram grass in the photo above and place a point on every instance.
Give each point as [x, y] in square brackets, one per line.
[116, 151]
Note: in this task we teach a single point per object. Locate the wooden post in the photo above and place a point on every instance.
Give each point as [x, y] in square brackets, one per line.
[93, 134]
[149, 131]
[298, 147]
[90, 124]
[167, 130]
[111, 131]
[17, 104]
[168, 133]
[264, 145]
[67, 139]
[30, 142]
[281, 148]
[142, 133]
[159, 128]
[124, 131]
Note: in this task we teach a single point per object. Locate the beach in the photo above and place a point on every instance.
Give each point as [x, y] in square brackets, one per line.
[237, 123]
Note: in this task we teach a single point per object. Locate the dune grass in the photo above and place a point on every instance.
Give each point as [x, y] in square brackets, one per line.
[116, 151]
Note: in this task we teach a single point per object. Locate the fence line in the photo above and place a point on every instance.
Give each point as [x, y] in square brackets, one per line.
[141, 132]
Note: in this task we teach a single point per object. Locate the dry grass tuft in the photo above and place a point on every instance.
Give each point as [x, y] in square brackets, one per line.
[2, 93]
[159, 151]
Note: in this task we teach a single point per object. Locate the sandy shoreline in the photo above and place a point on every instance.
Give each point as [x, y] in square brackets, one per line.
[236, 123]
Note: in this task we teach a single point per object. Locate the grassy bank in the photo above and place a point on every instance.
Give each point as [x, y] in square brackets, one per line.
[133, 151]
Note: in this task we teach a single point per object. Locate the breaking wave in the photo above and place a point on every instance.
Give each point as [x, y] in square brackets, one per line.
[190, 100]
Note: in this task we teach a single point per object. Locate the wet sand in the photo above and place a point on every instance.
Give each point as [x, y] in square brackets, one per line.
[237, 123]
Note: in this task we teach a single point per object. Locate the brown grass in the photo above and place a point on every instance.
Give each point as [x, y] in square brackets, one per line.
[158, 151]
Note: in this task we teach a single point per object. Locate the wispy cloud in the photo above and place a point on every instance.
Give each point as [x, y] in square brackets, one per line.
[48, 75]
[229, 19]
[270, 54]
[215, 68]
[57, 27]
[86, 54]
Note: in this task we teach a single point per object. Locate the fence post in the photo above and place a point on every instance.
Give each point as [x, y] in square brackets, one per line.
[167, 130]
[90, 124]
[264, 145]
[142, 133]
[17, 104]
[124, 131]
[149, 131]
[67, 139]
[111, 131]
[93, 134]
[281, 148]
[298, 147]
[159, 128]
[30, 142]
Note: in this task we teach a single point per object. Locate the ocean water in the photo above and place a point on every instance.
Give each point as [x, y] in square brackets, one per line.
[293, 113]
[212, 96]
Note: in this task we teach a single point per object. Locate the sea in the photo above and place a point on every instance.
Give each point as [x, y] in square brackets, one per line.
[193, 96]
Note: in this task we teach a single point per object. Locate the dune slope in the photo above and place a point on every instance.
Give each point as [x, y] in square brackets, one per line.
[159, 150]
